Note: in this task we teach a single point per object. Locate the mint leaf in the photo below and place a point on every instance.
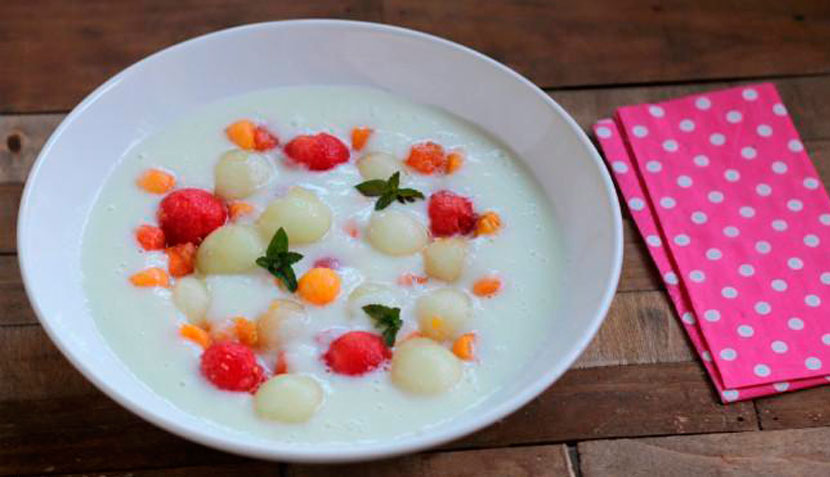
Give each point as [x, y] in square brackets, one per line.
[387, 320]
[388, 191]
[278, 260]
[372, 188]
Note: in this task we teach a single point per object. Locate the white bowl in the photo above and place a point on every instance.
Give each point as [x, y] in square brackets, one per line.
[159, 89]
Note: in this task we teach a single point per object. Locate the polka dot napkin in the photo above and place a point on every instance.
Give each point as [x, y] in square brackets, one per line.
[738, 223]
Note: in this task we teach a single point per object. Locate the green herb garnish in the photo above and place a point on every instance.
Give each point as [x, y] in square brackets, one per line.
[278, 260]
[387, 320]
[388, 191]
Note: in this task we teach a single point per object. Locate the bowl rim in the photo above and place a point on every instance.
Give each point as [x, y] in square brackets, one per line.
[341, 454]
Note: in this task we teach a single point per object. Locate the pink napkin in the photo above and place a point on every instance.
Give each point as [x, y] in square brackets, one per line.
[738, 223]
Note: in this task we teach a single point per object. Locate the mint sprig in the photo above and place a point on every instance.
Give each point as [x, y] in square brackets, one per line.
[278, 260]
[388, 191]
[387, 320]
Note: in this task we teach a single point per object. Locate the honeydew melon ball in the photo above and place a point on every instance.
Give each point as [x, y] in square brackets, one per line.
[283, 321]
[444, 258]
[230, 249]
[370, 293]
[289, 398]
[191, 297]
[302, 214]
[396, 233]
[442, 314]
[378, 165]
[239, 174]
[422, 366]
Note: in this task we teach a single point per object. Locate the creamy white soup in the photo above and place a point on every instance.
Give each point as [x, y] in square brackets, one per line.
[322, 265]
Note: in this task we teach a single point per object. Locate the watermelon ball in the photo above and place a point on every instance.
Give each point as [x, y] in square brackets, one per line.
[318, 152]
[232, 366]
[356, 353]
[189, 215]
[450, 214]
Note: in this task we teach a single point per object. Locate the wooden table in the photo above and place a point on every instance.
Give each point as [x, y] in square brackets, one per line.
[636, 403]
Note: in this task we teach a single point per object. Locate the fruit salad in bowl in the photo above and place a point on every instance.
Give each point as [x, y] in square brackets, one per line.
[293, 253]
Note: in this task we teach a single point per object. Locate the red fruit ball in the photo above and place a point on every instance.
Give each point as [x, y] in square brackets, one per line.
[450, 214]
[318, 152]
[356, 353]
[264, 140]
[189, 215]
[232, 366]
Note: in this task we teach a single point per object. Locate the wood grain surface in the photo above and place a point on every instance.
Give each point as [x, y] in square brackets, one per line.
[636, 403]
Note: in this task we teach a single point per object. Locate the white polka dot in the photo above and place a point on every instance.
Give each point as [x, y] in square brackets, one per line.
[682, 240]
[781, 387]
[795, 263]
[654, 166]
[749, 152]
[778, 285]
[779, 109]
[749, 94]
[812, 363]
[670, 278]
[763, 308]
[619, 167]
[687, 125]
[667, 203]
[825, 338]
[824, 219]
[716, 197]
[654, 241]
[731, 175]
[763, 189]
[746, 270]
[670, 145]
[688, 318]
[795, 324]
[728, 354]
[762, 246]
[731, 231]
[706, 356]
[795, 145]
[746, 331]
[656, 111]
[779, 225]
[779, 346]
[701, 161]
[703, 103]
[811, 183]
[697, 276]
[699, 217]
[730, 395]
[640, 131]
[779, 167]
[603, 132]
[717, 139]
[684, 181]
[713, 254]
[711, 315]
[636, 204]
[729, 292]
[795, 205]
[747, 212]
[761, 370]
[734, 116]
[825, 278]
[764, 130]
[812, 300]
[811, 240]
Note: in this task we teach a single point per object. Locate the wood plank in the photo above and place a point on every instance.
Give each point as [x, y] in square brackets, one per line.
[640, 328]
[802, 453]
[9, 201]
[533, 461]
[554, 43]
[806, 408]
[87, 42]
[14, 305]
[807, 99]
[620, 401]
[22, 138]
[250, 468]
[629, 41]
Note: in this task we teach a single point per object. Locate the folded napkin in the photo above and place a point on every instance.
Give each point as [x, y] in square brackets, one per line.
[738, 223]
